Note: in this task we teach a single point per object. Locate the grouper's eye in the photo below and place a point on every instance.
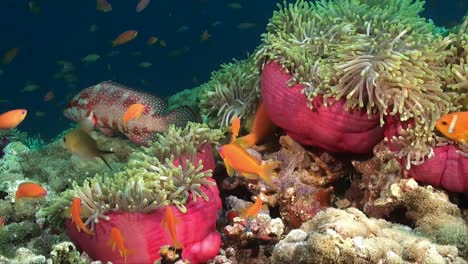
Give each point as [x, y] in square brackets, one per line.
[444, 123]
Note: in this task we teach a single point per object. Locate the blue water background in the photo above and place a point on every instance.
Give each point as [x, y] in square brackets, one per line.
[61, 32]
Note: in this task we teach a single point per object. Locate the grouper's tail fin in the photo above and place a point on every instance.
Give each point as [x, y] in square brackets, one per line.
[181, 116]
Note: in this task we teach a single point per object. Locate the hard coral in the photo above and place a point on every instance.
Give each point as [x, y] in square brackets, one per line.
[170, 172]
[232, 91]
[348, 236]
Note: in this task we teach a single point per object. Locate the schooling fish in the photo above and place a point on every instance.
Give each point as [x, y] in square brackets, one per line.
[169, 222]
[103, 105]
[117, 240]
[76, 216]
[454, 126]
[12, 119]
[125, 37]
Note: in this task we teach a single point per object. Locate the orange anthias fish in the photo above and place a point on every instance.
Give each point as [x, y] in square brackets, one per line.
[103, 5]
[124, 37]
[1, 223]
[49, 96]
[117, 239]
[12, 119]
[454, 126]
[235, 127]
[30, 190]
[152, 40]
[253, 210]
[10, 55]
[237, 158]
[262, 128]
[76, 216]
[134, 111]
[142, 5]
[169, 222]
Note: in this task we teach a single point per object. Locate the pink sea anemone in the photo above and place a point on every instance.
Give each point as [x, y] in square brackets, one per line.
[329, 127]
[144, 235]
[447, 168]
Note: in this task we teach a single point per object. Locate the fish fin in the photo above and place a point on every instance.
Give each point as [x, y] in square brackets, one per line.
[105, 160]
[180, 116]
[229, 169]
[250, 176]
[267, 172]
[178, 244]
[87, 124]
[247, 141]
[163, 223]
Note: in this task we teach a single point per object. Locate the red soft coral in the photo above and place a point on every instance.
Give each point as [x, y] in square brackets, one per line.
[331, 128]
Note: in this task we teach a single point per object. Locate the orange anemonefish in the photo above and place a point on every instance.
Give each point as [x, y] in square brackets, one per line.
[454, 126]
[169, 222]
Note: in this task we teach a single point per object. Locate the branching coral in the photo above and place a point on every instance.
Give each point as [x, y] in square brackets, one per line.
[379, 55]
[150, 181]
[232, 91]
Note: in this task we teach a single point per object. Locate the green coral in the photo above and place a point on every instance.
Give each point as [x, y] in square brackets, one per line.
[232, 91]
[66, 252]
[17, 234]
[379, 55]
[150, 180]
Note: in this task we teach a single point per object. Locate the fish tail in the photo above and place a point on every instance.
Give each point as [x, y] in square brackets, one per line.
[267, 172]
[247, 141]
[180, 116]
[105, 160]
[178, 244]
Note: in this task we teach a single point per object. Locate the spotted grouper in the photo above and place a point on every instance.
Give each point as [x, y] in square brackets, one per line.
[103, 106]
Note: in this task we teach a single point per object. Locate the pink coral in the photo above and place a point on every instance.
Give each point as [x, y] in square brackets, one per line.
[144, 235]
[447, 168]
[331, 128]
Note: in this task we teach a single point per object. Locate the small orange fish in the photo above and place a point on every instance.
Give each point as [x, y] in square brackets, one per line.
[124, 37]
[205, 36]
[49, 96]
[169, 222]
[10, 55]
[12, 119]
[235, 127]
[1, 223]
[133, 112]
[163, 43]
[152, 40]
[253, 210]
[454, 126]
[76, 216]
[142, 5]
[117, 239]
[237, 158]
[103, 5]
[262, 128]
[30, 190]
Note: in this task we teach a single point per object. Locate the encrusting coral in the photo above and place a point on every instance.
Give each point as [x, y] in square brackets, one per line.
[349, 236]
[233, 91]
[172, 171]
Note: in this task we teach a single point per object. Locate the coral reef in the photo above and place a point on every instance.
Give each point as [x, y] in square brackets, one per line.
[171, 171]
[232, 91]
[349, 236]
